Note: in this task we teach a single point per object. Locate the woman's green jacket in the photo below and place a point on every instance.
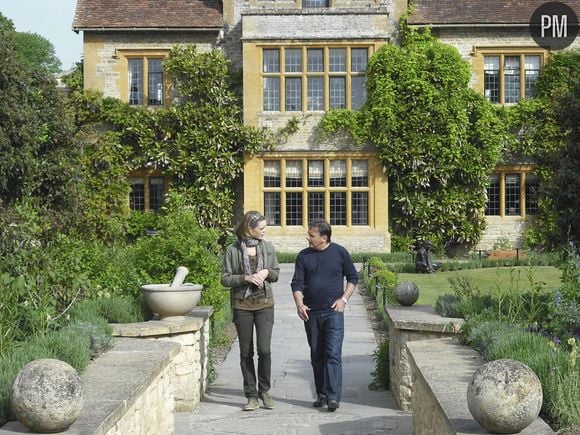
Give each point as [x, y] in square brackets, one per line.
[233, 268]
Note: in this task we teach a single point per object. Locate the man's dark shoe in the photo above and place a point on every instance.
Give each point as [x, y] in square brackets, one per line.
[320, 402]
[332, 405]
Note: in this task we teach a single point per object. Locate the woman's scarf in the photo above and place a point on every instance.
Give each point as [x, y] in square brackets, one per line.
[248, 243]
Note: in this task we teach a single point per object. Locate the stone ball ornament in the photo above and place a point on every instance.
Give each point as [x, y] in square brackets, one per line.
[47, 395]
[406, 293]
[504, 396]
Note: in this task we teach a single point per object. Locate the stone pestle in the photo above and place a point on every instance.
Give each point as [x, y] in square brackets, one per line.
[179, 277]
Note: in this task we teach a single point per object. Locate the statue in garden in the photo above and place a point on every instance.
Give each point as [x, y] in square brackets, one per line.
[422, 262]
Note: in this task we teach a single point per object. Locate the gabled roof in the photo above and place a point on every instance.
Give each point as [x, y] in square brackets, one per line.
[478, 12]
[147, 14]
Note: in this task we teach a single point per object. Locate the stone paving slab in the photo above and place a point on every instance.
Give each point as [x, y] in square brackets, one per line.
[361, 411]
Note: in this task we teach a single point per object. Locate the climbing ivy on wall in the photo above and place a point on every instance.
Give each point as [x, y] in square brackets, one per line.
[547, 129]
[437, 138]
[200, 138]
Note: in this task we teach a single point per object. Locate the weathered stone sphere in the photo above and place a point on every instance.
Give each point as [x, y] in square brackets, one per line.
[406, 293]
[504, 396]
[47, 395]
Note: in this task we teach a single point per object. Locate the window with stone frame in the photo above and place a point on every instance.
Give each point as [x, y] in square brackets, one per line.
[297, 191]
[306, 4]
[509, 77]
[147, 191]
[146, 81]
[307, 79]
[512, 193]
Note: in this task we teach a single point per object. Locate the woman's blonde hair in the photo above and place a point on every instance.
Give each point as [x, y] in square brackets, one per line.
[250, 221]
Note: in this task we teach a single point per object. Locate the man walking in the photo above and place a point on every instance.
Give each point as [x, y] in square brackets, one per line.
[321, 297]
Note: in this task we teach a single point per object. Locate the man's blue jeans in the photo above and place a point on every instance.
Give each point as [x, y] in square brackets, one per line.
[325, 332]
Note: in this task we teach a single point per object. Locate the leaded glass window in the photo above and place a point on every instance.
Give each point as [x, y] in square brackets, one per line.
[491, 78]
[155, 82]
[493, 196]
[512, 194]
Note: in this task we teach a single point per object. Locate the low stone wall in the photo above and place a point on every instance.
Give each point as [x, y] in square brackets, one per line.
[127, 390]
[406, 324]
[190, 367]
[441, 371]
[154, 369]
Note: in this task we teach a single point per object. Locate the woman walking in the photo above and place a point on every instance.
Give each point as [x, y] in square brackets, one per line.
[249, 267]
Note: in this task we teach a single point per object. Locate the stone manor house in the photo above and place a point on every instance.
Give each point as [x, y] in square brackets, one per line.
[301, 58]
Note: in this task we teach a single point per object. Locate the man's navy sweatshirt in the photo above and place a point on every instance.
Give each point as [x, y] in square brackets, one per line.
[319, 275]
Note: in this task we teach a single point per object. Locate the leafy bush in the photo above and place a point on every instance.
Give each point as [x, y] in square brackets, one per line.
[381, 374]
[562, 320]
[114, 309]
[110, 267]
[141, 222]
[401, 243]
[181, 241]
[446, 306]
[380, 282]
[438, 172]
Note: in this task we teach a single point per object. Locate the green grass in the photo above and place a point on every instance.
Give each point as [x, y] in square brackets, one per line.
[435, 284]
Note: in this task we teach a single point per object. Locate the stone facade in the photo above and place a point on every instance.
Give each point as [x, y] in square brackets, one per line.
[105, 55]
[287, 25]
[242, 31]
[471, 42]
[500, 229]
[189, 367]
[369, 243]
[430, 420]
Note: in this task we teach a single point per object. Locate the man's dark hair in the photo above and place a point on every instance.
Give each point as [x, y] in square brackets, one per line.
[322, 227]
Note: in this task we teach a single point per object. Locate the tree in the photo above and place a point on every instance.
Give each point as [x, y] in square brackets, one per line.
[39, 164]
[437, 138]
[38, 51]
[34, 132]
[6, 24]
[547, 130]
[34, 49]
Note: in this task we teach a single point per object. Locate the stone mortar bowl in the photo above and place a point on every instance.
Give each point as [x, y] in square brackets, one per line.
[171, 302]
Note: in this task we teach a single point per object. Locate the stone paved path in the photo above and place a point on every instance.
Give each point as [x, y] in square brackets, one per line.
[361, 411]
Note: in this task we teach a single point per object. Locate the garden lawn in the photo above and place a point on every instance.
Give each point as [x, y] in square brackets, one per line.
[486, 279]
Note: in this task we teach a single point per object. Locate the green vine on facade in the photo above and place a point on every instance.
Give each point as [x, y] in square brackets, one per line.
[200, 138]
[437, 138]
[546, 129]
[278, 137]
